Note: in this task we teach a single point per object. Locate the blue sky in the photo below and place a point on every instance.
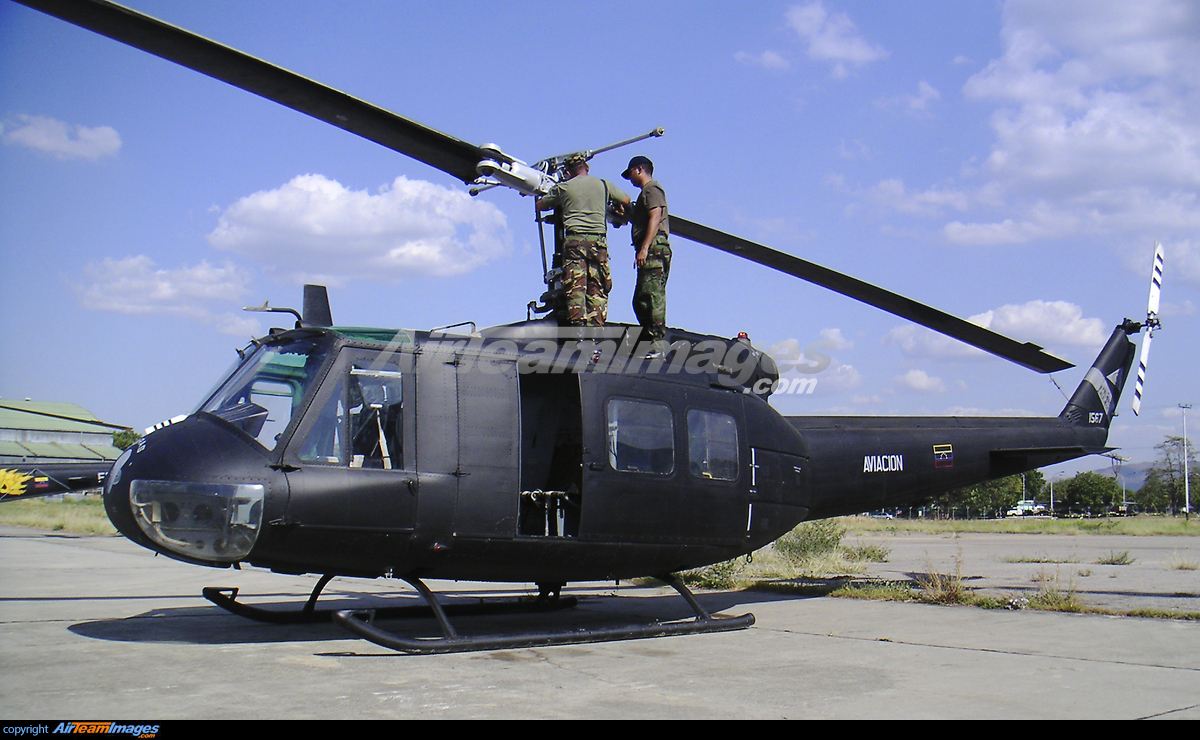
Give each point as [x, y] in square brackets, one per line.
[1009, 161]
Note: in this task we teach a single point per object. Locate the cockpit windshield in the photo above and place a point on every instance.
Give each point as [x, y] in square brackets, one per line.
[264, 392]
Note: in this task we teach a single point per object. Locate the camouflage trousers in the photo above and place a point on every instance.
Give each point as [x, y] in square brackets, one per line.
[586, 280]
[650, 294]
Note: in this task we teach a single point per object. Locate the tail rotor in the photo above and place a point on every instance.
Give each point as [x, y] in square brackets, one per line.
[1152, 323]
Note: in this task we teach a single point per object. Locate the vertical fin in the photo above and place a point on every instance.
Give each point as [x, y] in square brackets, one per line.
[1095, 400]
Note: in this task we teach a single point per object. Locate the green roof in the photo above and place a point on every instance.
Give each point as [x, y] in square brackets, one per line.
[50, 416]
[58, 451]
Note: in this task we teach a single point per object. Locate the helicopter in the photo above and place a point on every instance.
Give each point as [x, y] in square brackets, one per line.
[534, 451]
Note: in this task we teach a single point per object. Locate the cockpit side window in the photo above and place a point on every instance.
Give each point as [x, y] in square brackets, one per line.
[360, 424]
[376, 418]
[264, 392]
[325, 440]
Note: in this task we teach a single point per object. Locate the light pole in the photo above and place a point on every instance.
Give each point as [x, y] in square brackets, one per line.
[1187, 488]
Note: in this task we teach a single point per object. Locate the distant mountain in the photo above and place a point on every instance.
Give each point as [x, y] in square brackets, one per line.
[1132, 475]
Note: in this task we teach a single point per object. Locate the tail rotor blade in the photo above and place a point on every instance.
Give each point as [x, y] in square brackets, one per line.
[1156, 276]
[1141, 374]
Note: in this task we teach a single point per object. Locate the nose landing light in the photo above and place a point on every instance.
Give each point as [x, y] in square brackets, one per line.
[204, 521]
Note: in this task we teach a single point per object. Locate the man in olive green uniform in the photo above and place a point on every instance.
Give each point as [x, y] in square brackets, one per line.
[583, 203]
[650, 238]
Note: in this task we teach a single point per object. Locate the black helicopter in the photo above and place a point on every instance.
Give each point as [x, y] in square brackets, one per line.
[531, 452]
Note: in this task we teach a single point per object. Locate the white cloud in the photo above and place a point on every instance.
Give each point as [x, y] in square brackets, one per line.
[1181, 260]
[832, 37]
[1167, 309]
[135, 286]
[1099, 129]
[61, 139]
[973, 411]
[835, 336]
[313, 229]
[1005, 232]
[918, 381]
[918, 103]
[1096, 130]
[1047, 323]
[918, 342]
[838, 378]
[854, 150]
[767, 60]
[892, 194]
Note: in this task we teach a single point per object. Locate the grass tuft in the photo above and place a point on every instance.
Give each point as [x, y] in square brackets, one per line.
[1180, 563]
[1052, 597]
[1116, 558]
[868, 553]
[810, 540]
[723, 575]
[1143, 524]
[1037, 559]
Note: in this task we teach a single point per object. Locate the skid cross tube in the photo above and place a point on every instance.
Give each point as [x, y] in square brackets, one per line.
[362, 623]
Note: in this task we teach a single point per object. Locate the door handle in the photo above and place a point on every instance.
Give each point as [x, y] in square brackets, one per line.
[595, 466]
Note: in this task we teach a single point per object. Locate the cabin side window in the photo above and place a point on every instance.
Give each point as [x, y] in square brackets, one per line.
[712, 445]
[641, 437]
[361, 423]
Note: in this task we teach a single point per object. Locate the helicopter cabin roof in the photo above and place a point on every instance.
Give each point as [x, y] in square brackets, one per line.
[529, 339]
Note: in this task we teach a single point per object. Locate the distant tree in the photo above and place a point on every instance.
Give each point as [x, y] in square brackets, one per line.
[1155, 494]
[125, 438]
[991, 498]
[1088, 493]
[1035, 486]
[1163, 490]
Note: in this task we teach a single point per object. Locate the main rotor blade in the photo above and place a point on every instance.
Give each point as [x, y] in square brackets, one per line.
[446, 153]
[1027, 355]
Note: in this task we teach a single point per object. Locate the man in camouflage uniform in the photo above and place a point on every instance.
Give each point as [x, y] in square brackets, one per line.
[651, 231]
[583, 203]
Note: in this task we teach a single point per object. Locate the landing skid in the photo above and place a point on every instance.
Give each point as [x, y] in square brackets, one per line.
[226, 598]
[362, 623]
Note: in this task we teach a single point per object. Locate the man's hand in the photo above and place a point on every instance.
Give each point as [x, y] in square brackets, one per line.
[642, 255]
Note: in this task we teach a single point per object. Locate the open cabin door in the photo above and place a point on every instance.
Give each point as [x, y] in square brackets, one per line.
[551, 455]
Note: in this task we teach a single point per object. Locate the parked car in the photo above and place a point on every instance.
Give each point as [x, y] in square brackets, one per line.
[1026, 507]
